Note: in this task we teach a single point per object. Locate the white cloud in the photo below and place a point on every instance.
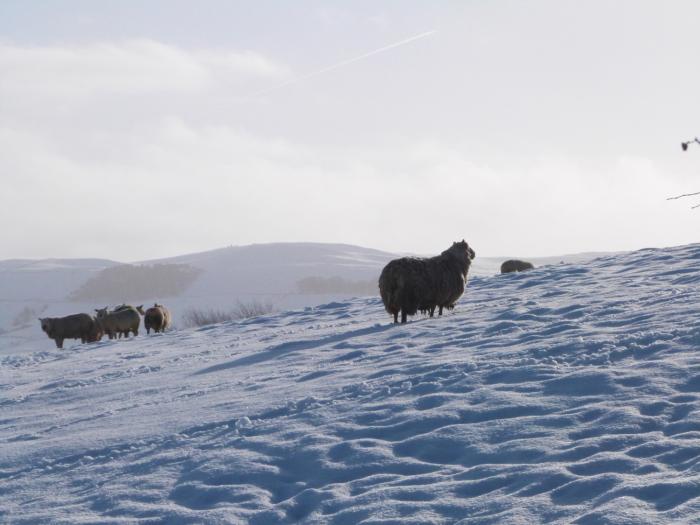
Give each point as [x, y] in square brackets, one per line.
[134, 67]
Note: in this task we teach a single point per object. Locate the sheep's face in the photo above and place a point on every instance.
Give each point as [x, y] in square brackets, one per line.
[101, 313]
[45, 324]
[463, 250]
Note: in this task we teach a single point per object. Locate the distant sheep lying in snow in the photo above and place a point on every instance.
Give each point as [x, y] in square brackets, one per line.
[515, 265]
[410, 284]
[76, 326]
[156, 317]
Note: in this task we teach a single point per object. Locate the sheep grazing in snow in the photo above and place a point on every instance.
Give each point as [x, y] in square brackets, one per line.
[410, 284]
[514, 265]
[156, 317]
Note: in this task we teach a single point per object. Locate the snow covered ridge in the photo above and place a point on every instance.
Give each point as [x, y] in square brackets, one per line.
[567, 394]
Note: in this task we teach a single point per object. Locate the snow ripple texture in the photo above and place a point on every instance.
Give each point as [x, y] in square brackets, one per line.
[568, 394]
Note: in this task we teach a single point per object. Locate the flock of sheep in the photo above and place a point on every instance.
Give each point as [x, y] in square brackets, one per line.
[412, 284]
[121, 321]
[407, 285]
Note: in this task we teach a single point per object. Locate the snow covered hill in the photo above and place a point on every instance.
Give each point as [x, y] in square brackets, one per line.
[568, 394]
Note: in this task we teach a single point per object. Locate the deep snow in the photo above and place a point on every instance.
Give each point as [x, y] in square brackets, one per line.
[570, 393]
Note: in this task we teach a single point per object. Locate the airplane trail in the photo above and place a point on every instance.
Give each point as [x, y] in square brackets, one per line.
[344, 63]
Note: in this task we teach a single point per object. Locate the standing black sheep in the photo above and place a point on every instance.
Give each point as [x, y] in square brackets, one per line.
[410, 284]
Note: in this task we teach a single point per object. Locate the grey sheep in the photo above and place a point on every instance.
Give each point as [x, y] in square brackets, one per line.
[410, 284]
[76, 326]
[515, 265]
[119, 322]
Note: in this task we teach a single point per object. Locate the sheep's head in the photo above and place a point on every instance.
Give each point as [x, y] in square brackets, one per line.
[462, 250]
[45, 324]
[101, 312]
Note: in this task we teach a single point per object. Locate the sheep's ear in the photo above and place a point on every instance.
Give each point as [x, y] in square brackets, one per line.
[96, 310]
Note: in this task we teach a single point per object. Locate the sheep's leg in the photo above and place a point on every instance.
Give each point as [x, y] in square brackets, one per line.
[59, 342]
[396, 317]
[432, 311]
[440, 311]
[403, 316]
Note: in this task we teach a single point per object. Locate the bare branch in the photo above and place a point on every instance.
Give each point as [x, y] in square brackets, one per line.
[684, 145]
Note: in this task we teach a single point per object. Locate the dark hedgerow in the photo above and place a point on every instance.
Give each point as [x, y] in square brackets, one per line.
[131, 282]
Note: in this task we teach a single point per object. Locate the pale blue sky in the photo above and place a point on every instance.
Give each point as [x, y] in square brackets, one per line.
[529, 128]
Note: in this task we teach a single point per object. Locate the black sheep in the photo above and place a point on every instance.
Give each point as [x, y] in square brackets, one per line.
[410, 284]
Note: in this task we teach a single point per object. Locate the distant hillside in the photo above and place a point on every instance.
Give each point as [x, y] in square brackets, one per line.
[277, 268]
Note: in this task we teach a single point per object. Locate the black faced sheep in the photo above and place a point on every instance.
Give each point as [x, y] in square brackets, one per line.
[515, 265]
[410, 284]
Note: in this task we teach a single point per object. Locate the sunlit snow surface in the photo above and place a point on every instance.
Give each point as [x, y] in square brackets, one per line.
[570, 393]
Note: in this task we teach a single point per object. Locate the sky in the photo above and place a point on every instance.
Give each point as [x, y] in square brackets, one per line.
[135, 130]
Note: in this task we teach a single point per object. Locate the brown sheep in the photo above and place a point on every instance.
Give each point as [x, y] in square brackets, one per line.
[410, 284]
[515, 265]
[119, 322]
[156, 317]
[76, 326]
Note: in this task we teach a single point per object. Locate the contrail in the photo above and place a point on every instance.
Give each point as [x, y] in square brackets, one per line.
[343, 63]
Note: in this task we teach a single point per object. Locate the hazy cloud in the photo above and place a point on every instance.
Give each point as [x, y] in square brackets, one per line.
[134, 67]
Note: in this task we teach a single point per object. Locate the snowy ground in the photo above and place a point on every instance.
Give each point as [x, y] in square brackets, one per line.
[568, 394]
